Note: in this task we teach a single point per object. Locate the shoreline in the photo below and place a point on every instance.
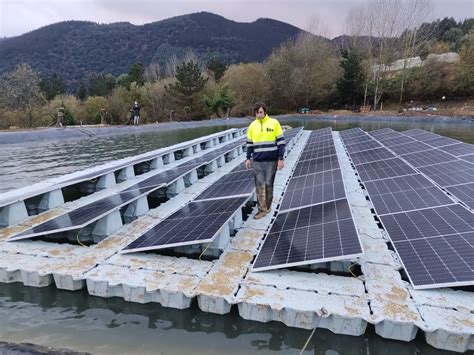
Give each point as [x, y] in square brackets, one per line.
[77, 132]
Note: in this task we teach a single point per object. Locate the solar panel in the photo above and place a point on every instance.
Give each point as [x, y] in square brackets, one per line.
[426, 137]
[357, 139]
[405, 193]
[428, 157]
[352, 132]
[435, 245]
[451, 173]
[381, 132]
[389, 142]
[441, 141]
[469, 158]
[309, 235]
[312, 189]
[359, 147]
[196, 223]
[383, 169]
[415, 132]
[306, 167]
[317, 153]
[464, 193]
[232, 184]
[82, 216]
[459, 149]
[410, 148]
[367, 156]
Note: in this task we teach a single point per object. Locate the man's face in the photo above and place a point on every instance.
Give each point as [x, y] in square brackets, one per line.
[260, 113]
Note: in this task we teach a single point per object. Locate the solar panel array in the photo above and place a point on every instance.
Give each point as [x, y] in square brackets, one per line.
[87, 214]
[452, 165]
[314, 223]
[201, 220]
[432, 234]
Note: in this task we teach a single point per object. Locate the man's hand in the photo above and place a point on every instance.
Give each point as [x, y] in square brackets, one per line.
[247, 164]
[281, 164]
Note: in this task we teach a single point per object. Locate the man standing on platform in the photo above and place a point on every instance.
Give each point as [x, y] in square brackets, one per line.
[266, 146]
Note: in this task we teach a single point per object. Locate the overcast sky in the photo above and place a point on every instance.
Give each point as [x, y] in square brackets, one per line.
[20, 16]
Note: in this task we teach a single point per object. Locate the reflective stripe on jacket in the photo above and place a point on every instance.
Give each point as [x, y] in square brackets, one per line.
[265, 140]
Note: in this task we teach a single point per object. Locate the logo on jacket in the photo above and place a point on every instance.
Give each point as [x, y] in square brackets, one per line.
[269, 129]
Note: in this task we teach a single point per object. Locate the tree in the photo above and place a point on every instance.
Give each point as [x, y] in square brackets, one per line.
[185, 91]
[223, 100]
[350, 87]
[136, 74]
[20, 90]
[101, 85]
[216, 67]
[388, 30]
[453, 36]
[52, 86]
[250, 84]
[465, 77]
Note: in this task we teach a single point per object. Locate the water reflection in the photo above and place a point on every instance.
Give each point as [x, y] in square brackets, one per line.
[75, 320]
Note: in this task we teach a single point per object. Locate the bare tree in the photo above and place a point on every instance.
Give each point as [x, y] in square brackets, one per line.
[413, 38]
[153, 73]
[377, 26]
[20, 91]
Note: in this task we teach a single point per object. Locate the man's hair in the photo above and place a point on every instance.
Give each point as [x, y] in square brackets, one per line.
[258, 106]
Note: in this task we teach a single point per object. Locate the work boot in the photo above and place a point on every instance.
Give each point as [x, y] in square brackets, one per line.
[260, 214]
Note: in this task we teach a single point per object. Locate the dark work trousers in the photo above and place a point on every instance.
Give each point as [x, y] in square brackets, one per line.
[264, 173]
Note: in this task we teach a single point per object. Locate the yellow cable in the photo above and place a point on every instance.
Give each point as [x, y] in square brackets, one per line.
[77, 237]
[350, 267]
[204, 251]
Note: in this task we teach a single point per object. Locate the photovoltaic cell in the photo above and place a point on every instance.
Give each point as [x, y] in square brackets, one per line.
[441, 141]
[196, 223]
[464, 193]
[368, 156]
[359, 147]
[406, 193]
[469, 158]
[428, 157]
[459, 149]
[435, 245]
[317, 153]
[401, 139]
[357, 140]
[448, 174]
[306, 167]
[410, 148]
[381, 132]
[309, 235]
[415, 132]
[312, 189]
[383, 169]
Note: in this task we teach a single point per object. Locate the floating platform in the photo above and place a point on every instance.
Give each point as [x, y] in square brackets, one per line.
[342, 296]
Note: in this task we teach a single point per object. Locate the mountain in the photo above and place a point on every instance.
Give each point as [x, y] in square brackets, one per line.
[77, 49]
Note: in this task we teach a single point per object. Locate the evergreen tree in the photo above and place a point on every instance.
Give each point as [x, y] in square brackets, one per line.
[217, 67]
[52, 87]
[350, 86]
[136, 74]
[186, 91]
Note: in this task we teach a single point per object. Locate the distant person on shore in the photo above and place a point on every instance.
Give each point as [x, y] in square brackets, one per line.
[136, 113]
[60, 118]
[266, 147]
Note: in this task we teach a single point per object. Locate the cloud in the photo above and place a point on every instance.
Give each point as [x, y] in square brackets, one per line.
[20, 16]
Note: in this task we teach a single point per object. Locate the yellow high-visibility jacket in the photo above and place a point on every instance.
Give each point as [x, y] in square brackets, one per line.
[265, 140]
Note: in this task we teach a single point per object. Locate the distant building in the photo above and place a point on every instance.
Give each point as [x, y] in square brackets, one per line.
[414, 62]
